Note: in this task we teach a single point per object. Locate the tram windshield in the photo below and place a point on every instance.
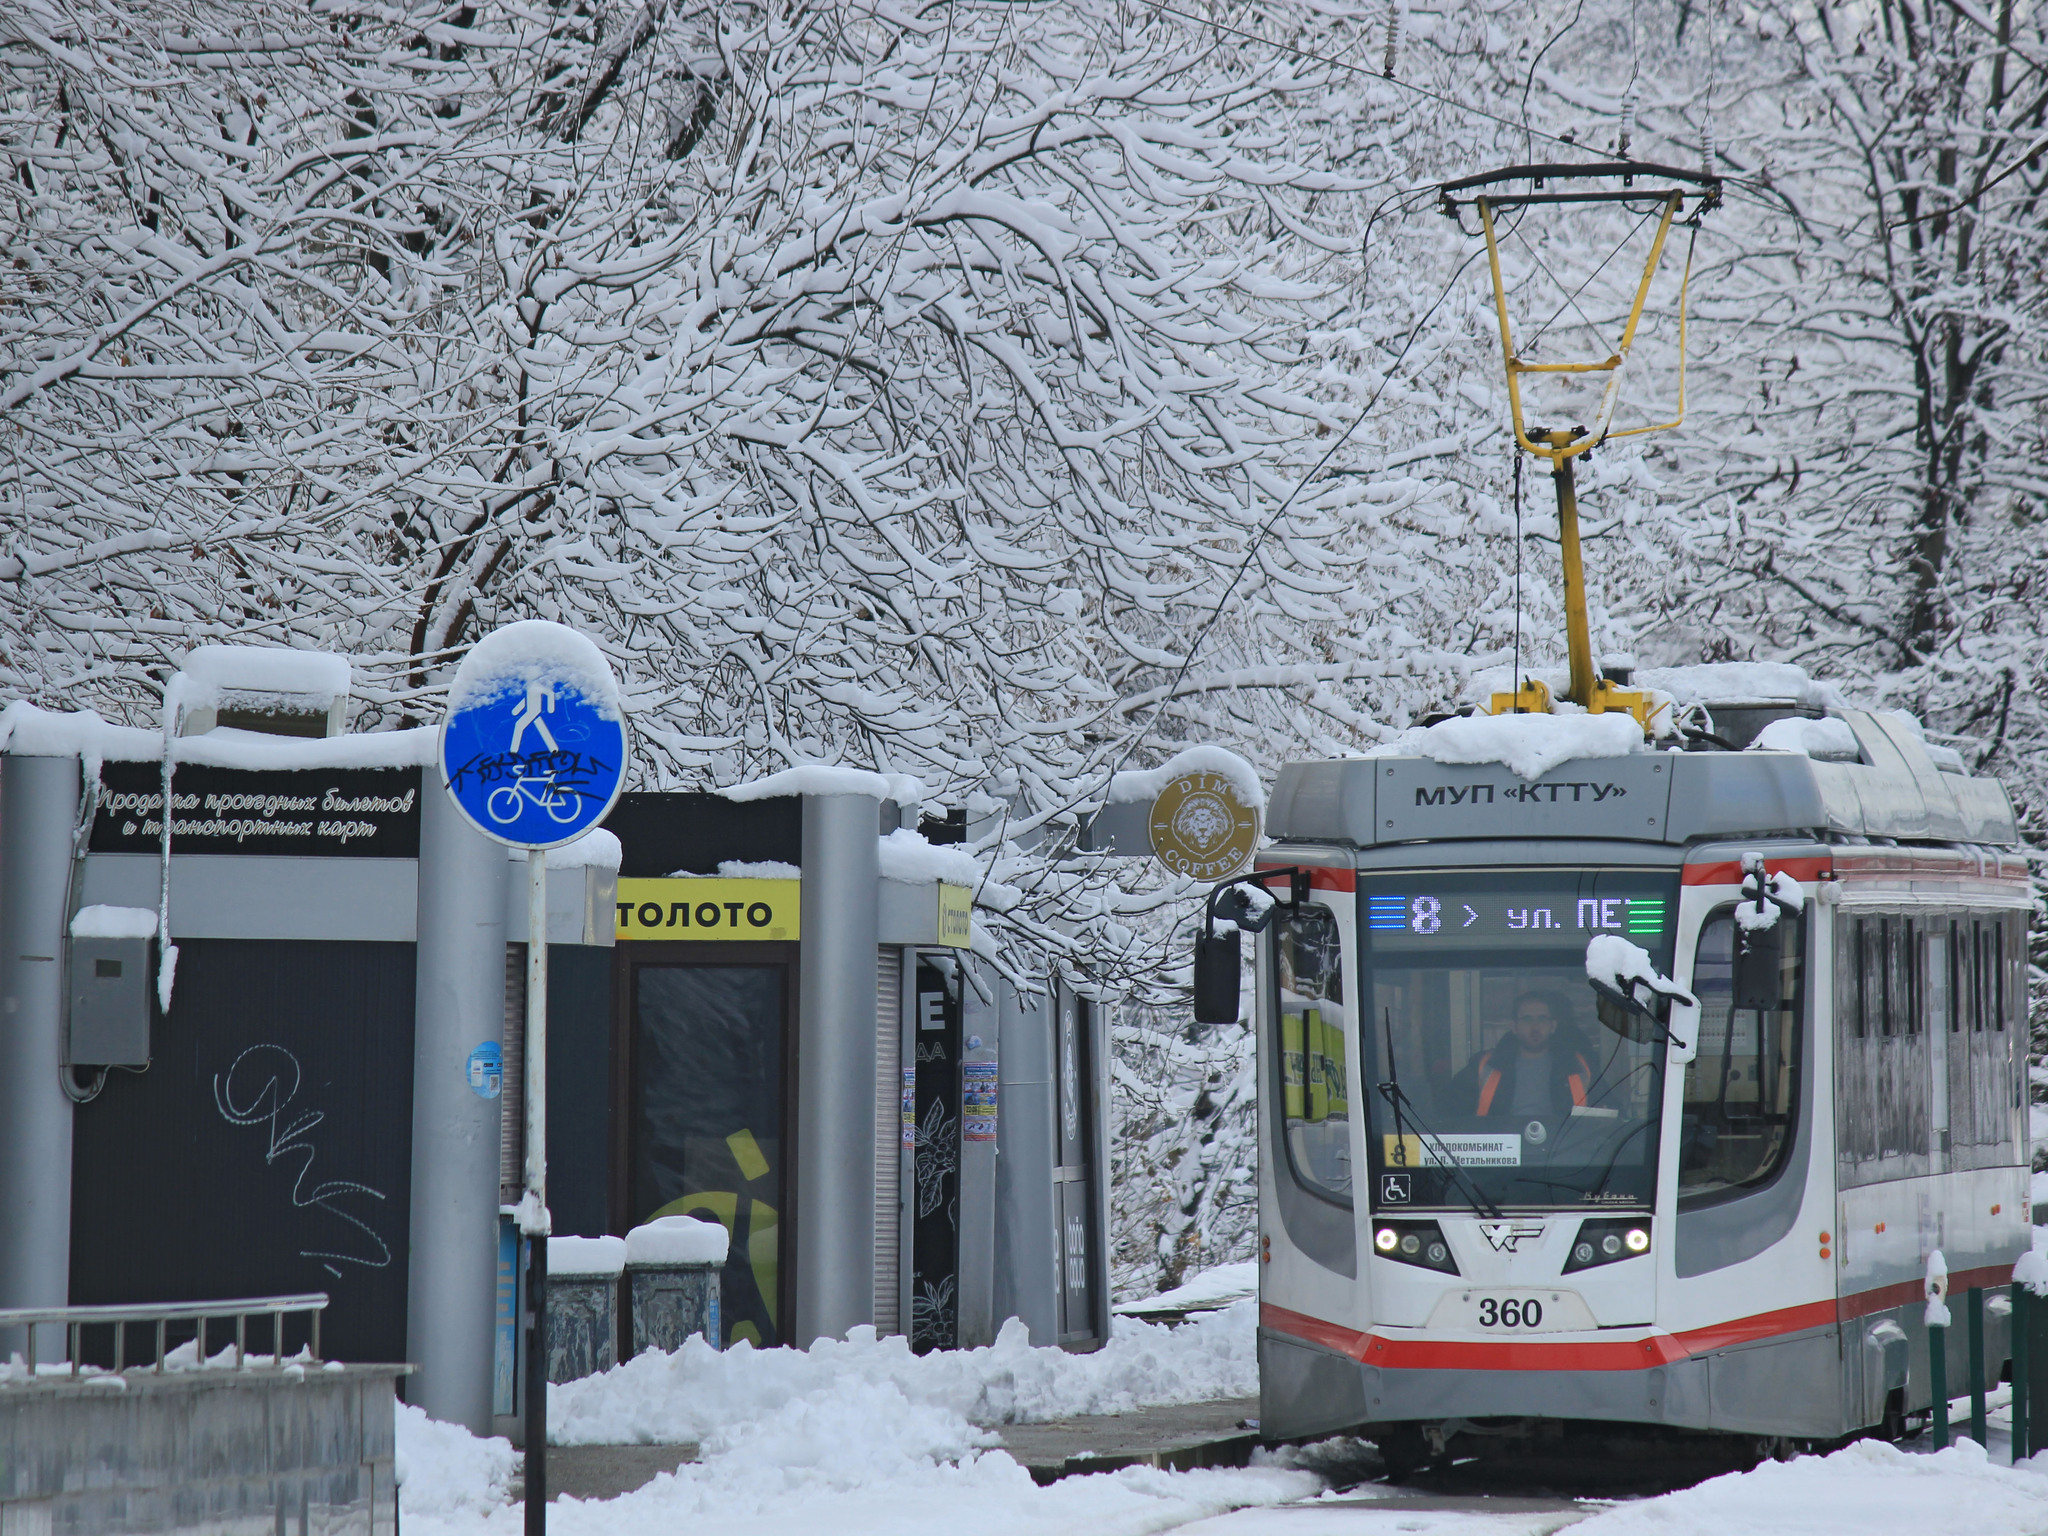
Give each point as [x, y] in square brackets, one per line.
[1480, 1010]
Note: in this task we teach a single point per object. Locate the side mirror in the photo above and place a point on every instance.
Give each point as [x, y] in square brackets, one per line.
[1217, 974]
[1634, 1001]
[1628, 1018]
[1759, 953]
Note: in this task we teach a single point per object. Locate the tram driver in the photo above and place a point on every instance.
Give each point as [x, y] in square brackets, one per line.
[1536, 1071]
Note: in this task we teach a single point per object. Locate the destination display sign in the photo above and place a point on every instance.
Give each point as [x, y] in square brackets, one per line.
[709, 908]
[1497, 911]
[369, 813]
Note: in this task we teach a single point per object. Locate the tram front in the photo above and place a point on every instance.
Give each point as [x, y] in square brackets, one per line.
[1488, 1195]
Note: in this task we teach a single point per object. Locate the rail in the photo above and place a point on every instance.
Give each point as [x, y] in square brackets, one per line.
[75, 1320]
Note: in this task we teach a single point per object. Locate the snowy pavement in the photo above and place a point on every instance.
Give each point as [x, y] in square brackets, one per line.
[861, 1436]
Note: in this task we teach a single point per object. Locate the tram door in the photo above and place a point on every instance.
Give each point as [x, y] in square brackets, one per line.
[707, 1099]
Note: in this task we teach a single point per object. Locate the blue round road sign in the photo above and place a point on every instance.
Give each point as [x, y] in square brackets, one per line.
[534, 747]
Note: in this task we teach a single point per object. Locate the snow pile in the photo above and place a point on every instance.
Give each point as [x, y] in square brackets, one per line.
[1754, 918]
[586, 1256]
[660, 1398]
[595, 849]
[444, 1470]
[758, 869]
[32, 732]
[1211, 1289]
[905, 855]
[1741, 682]
[2032, 1268]
[674, 1240]
[1937, 1315]
[1528, 745]
[1144, 784]
[515, 656]
[1868, 1487]
[256, 672]
[99, 922]
[815, 779]
[1829, 739]
[861, 1436]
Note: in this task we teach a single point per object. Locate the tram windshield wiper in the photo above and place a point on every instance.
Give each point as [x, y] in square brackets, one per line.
[1402, 1105]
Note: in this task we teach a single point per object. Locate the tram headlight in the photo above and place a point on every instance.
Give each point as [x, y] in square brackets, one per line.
[1421, 1243]
[1607, 1242]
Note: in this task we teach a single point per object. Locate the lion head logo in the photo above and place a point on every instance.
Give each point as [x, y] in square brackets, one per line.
[1203, 822]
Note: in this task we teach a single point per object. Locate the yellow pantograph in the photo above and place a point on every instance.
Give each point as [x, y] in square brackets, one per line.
[1560, 446]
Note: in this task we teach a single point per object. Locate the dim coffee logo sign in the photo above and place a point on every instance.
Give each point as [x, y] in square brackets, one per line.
[355, 812]
[1202, 828]
[709, 908]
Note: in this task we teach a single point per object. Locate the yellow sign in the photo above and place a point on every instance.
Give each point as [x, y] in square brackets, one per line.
[1404, 1152]
[1202, 828]
[956, 916]
[708, 909]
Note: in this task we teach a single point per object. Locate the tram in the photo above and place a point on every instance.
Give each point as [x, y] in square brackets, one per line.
[1490, 1197]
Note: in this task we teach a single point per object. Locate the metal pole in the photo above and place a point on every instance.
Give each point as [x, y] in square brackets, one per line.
[533, 1210]
[2017, 1335]
[1937, 1370]
[1577, 630]
[1979, 1428]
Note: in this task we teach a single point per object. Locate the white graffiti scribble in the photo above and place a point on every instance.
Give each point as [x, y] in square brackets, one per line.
[255, 1089]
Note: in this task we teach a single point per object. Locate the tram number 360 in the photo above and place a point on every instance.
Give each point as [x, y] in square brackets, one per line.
[1510, 1313]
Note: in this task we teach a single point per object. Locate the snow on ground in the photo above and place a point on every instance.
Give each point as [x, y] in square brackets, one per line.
[660, 1398]
[861, 1435]
[860, 1438]
[1211, 1289]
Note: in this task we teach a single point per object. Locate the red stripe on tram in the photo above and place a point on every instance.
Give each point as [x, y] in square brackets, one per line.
[1729, 871]
[1409, 1352]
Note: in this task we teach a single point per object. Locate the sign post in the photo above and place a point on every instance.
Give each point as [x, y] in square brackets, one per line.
[533, 753]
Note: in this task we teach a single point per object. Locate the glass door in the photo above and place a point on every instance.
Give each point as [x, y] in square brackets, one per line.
[708, 1103]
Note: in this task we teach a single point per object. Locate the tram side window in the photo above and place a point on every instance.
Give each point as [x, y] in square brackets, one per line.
[1883, 1081]
[1742, 1089]
[1984, 1062]
[1315, 1029]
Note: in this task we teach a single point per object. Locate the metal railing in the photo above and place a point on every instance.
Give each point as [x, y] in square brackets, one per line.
[75, 1320]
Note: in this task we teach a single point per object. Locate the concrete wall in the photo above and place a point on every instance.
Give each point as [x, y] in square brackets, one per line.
[201, 1451]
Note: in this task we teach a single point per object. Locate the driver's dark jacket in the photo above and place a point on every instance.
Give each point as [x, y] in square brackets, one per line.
[1494, 1076]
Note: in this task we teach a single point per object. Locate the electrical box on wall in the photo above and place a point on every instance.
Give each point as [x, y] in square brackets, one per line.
[109, 987]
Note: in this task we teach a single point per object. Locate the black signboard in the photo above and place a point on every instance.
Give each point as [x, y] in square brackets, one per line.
[935, 1158]
[369, 813]
[266, 1151]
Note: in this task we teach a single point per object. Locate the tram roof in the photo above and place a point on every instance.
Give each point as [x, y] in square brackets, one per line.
[1656, 794]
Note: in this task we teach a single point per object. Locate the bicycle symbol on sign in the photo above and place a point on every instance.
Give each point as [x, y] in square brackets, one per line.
[505, 803]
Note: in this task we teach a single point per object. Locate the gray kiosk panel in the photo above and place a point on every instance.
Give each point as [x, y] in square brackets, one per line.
[109, 1003]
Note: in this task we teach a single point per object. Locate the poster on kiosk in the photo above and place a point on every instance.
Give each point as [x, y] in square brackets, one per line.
[533, 753]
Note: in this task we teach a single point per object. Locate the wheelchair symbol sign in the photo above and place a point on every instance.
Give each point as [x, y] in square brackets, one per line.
[534, 749]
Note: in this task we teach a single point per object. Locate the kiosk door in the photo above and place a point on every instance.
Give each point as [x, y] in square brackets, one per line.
[1074, 1177]
[709, 1093]
[933, 1075]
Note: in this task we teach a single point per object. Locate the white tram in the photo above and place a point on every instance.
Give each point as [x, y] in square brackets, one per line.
[1731, 1242]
